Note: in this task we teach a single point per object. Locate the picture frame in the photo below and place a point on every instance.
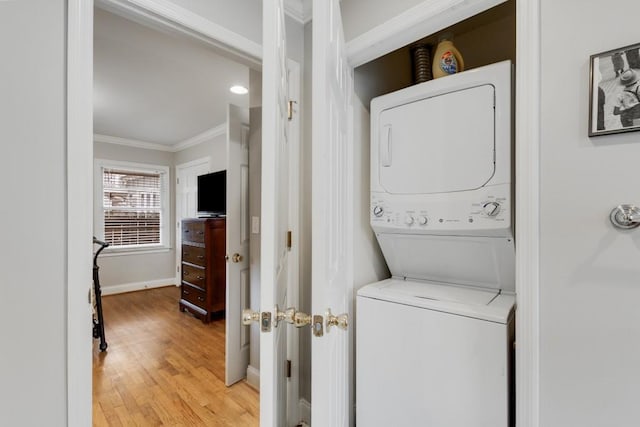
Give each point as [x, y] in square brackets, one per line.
[614, 91]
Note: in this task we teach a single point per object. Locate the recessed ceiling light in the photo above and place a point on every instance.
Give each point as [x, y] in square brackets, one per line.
[239, 90]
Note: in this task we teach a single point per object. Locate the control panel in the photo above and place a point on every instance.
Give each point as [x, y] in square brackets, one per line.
[487, 209]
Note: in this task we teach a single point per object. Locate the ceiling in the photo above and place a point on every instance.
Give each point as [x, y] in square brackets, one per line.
[156, 87]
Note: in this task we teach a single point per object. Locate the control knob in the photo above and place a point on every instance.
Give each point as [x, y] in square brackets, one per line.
[408, 220]
[377, 211]
[422, 220]
[491, 208]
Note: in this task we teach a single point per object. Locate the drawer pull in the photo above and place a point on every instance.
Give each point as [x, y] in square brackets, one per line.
[201, 299]
[186, 292]
[200, 256]
[201, 232]
[199, 277]
[185, 273]
[185, 253]
[186, 230]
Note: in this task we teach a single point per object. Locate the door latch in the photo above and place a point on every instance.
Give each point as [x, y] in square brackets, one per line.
[249, 316]
[265, 321]
[327, 322]
[318, 325]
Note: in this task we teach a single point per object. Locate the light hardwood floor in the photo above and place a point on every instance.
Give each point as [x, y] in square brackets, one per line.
[164, 367]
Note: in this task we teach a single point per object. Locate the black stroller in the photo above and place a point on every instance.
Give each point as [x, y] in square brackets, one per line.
[98, 324]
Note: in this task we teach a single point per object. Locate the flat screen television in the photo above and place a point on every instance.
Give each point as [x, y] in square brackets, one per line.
[212, 194]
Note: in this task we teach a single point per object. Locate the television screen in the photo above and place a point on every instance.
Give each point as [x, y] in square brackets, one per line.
[212, 194]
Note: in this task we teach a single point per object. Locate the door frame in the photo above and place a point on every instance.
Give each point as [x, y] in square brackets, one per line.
[294, 280]
[178, 239]
[79, 161]
[79, 201]
[429, 17]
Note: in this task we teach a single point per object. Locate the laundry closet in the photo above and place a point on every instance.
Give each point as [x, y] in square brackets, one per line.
[434, 343]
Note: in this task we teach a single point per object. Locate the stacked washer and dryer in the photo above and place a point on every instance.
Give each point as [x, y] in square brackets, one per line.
[434, 342]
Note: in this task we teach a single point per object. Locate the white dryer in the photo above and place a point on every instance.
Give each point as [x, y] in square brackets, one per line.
[434, 343]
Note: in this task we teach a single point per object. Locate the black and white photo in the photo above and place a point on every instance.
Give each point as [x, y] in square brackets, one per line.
[615, 91]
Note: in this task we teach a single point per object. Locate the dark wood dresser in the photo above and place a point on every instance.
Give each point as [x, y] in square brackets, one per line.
[203, 267]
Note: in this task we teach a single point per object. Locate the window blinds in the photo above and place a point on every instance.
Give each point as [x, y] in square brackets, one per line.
[132, 207]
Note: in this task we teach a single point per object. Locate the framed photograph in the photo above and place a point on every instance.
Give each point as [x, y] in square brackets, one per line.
[614, 94]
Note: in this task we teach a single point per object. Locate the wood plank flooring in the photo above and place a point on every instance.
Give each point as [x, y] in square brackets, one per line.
[164, 367]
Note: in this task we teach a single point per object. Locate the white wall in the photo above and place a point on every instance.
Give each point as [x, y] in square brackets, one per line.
[295, 39]
[369, 264]
[589, 272]
[243, 17]
[119, 270]
[215, 148]
[360, 16]
[33, 255]
[103, 150]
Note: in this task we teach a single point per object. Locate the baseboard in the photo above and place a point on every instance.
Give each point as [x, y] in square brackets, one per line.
[253, 377]
[305, 412]
[137, 286]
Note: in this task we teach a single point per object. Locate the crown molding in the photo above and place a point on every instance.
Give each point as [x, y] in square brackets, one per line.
[178, 146]
[131, 142]
[221, 129]
[299, 10]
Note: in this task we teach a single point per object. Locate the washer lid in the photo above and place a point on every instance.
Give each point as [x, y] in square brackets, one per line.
[479, 262]
[483, 304]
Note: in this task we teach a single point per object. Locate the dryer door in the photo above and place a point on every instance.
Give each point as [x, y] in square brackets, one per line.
[438, 144]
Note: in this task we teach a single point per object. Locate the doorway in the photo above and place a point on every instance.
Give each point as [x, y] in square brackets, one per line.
[166, 151]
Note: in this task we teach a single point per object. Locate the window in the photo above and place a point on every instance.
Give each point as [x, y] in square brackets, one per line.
[131, 212]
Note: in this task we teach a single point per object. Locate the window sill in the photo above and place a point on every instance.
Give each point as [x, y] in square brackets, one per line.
[114, 251]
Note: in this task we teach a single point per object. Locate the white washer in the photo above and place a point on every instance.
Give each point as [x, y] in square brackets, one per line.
[434, 344]
[433, 355]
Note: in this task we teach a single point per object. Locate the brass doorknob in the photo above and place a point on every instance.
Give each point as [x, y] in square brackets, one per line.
[236, 257]
[301, 319]
[341, 321]
[249, 316]
[283, 316]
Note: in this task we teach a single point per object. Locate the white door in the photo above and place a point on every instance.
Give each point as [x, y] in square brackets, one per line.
[237, 286]
[332, 218]
[187, 199]
[275, 215]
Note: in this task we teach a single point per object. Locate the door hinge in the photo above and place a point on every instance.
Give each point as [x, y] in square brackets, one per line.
[177, 269]
[290, 109]
[177, 180]
[288, 368]
[289, 239]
